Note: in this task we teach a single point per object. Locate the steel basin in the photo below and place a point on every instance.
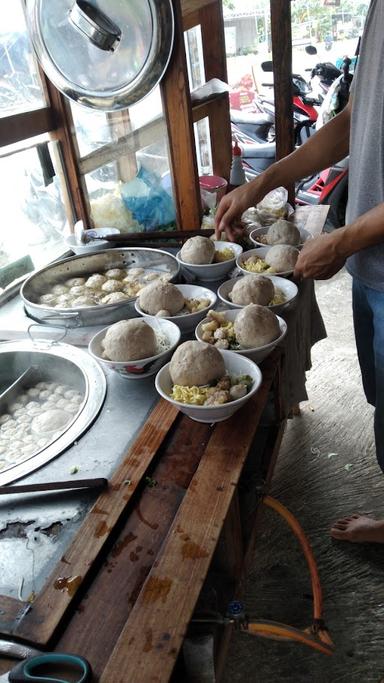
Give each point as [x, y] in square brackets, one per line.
[78, 266]
[55, 362]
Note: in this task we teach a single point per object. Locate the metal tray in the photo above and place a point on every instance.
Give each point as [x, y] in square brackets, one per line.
[77, 266]
[55, 362]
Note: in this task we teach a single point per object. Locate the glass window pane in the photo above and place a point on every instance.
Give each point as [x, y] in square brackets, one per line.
[133, 193]
[33, 213]
[20, 87]
[95, 129]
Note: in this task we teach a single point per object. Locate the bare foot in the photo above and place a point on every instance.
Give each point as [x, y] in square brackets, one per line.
[358, 529]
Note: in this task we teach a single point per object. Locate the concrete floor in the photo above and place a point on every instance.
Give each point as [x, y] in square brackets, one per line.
[326, 469]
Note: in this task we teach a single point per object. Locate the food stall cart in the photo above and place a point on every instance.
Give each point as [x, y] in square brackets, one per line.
[120, 577]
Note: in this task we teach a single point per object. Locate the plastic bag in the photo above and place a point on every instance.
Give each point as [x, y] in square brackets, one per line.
[148, 201]
[273, 206]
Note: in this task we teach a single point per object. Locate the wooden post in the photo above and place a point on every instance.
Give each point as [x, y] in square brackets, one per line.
[215, 64]
[178, 114]
[282, 73]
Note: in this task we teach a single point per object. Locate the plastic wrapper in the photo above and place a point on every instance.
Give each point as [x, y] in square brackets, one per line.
[273, 206]
[148, 201]
[109, 210]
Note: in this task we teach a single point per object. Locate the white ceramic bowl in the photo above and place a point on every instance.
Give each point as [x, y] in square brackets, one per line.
[253, 236]
[256, 354]
[235, 365]
[145, 367]
[288, 288]
[261, 252]
[188, 321]
[212, 271]
[93, 245]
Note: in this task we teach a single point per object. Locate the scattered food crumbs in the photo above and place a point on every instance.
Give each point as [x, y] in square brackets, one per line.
[74, 469]
[127, 482]
[315, 451]
[311, 408]
[348, 467]
[330, 455]
[31, 597]
[150, 482]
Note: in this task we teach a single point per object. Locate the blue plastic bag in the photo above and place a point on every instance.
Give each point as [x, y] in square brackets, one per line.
[148, 201]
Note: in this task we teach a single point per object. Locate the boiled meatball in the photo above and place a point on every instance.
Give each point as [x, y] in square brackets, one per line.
[198, 250]
[195, 363]
[283, 232]
[115, 273]
[282, 258]
[96, 281]
[75, 282]
[129, 340]
[161, 296]
[256, 326]
[112, 286]
[253, 289]
[50, 421]
[114, 298]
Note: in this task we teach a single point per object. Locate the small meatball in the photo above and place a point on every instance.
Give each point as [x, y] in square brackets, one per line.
[24, 419]
[59, 289]
[33, 392]
[42, 385]
[217, 399]
[47, 299]
[114, 298]
[77, 291]
[112, 286]
[44, 395]
[95, 281]
[75, 282]
[237, 391]
[83, 301]
[61, 389]
[135, 272]
[64, 300]
[163, 313]
[115, 273]
[5, 418]
[222, 344]
[148, 277]
[32, 405]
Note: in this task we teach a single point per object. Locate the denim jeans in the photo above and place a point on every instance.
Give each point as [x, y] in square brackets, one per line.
[368, 318]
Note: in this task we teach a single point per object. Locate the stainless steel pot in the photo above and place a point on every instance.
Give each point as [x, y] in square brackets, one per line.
[53, 362]
[104, 54]
[78, 266]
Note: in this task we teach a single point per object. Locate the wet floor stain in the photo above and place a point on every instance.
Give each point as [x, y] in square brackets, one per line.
[152, 525]
[148, 640]
[192, 551]
[101, 529]
[120, 545]
[156, 589]
[70, 584]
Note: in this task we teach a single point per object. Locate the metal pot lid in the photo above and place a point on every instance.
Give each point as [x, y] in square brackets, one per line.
[104, 54]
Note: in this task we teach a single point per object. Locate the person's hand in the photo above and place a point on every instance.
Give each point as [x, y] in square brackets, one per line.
[233, 205]
[320, 258]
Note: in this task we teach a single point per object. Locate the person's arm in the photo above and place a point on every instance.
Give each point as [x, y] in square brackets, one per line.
[323, 256]
[329, 145]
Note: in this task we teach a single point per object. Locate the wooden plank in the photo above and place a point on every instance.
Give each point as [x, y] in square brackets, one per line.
[26, 125]
[64, 128]
[164, 607]
[177, 108]
[221, 138]
[191, 11]
[136, 548]
[127, 144]
[49, 608]
[282, 78]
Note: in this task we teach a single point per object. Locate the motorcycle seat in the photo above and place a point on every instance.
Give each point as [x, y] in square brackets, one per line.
[266, 150]
[240, 117]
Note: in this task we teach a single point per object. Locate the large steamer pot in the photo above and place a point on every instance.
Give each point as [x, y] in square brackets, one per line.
[55, 362]
[79, 266]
